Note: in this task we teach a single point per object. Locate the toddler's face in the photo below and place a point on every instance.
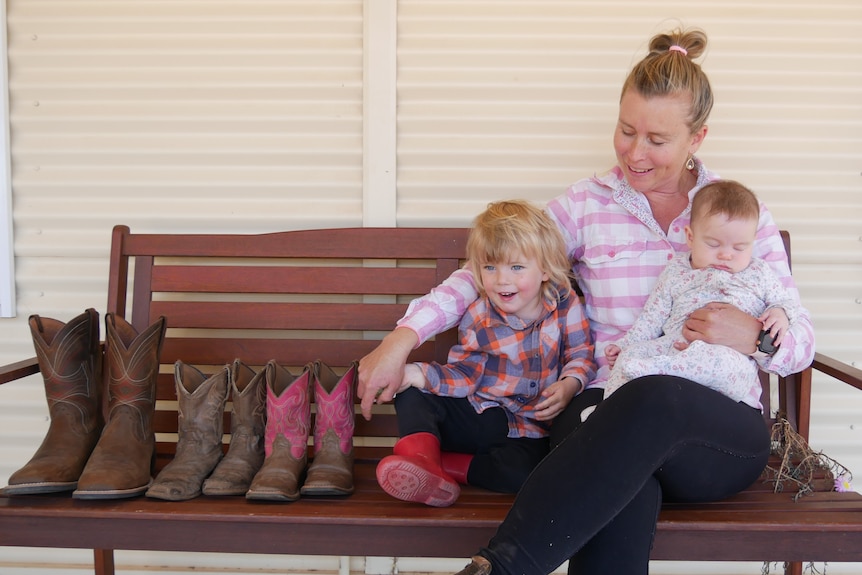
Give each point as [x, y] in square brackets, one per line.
[515, 286]
[718, 242]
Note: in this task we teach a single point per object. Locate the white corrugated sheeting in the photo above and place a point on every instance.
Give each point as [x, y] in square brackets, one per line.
[248, 116]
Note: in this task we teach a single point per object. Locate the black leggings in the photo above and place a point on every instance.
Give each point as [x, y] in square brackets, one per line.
[571, 417]
[595, 498]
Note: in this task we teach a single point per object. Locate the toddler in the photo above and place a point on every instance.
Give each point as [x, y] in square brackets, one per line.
[524, 351]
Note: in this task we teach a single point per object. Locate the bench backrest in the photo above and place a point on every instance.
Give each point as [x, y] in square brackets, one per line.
[294, 297]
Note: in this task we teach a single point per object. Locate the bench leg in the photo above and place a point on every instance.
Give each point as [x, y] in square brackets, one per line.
[794, 568]
[103, 561]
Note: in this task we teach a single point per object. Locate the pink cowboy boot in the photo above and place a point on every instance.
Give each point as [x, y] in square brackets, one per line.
[288, 413]
[331, 471]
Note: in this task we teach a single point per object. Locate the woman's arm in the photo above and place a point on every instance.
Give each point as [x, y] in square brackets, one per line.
[382, 370]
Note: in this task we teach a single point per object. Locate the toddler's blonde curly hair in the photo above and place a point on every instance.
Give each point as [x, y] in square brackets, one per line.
[516, 226]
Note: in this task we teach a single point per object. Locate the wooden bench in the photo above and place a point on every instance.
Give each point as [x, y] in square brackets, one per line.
[331, 294]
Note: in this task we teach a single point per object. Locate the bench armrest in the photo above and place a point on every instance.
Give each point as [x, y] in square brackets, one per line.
[18, 370]
[837, 369]
[797, 388]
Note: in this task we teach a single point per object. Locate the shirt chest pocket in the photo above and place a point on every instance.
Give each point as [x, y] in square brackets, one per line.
[608, 250]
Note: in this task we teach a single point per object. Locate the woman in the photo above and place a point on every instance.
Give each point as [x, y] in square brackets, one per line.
[595, 498]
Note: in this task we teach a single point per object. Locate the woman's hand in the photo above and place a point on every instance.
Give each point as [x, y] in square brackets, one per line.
[723, 324]
[381, 372]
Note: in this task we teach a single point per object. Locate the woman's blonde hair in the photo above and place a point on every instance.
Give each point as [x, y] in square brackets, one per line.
[669, 69]
[516, 226]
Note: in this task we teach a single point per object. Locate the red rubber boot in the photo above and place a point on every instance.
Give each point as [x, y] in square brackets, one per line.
[456, 465]
[414, 472]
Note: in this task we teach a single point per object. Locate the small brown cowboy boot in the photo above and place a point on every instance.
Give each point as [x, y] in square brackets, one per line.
[69, 358]
[234, 473]
[287, 421]
[331, 470]
[122, 460]
[201, 400]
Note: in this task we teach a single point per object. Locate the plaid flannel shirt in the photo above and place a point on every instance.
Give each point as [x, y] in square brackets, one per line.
[501, 361]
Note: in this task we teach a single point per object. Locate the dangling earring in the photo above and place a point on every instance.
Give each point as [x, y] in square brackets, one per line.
[689, 164]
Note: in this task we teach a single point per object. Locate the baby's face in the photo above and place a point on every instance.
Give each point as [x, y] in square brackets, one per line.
[718, 242]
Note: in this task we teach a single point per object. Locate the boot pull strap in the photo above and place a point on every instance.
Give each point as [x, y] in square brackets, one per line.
[94, 328]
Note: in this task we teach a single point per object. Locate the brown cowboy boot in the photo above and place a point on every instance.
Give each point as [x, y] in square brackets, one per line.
[234, 473]
[121, 462]
[331, 471]
[69, 359]
[201, 401]
[287, 420]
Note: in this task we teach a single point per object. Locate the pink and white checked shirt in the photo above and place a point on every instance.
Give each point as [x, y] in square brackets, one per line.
[619, 250]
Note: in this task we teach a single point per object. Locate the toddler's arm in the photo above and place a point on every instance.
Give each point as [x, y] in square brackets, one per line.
[557, 396]
[413, 377]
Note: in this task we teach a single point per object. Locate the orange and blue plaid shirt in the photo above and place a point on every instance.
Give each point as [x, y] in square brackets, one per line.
[501, 361]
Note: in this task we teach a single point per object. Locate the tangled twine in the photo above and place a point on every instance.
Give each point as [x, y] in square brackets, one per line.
[802, 467]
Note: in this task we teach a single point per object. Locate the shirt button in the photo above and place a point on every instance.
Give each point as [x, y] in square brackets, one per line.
[612, 253]
[532, 384]
[676, 229]
[669, 256]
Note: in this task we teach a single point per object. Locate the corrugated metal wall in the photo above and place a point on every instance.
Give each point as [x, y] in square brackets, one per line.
[192, 115]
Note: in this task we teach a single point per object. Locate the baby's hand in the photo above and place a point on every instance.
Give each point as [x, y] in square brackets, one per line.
[775, 322]
[612, 350]
[680, 345]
